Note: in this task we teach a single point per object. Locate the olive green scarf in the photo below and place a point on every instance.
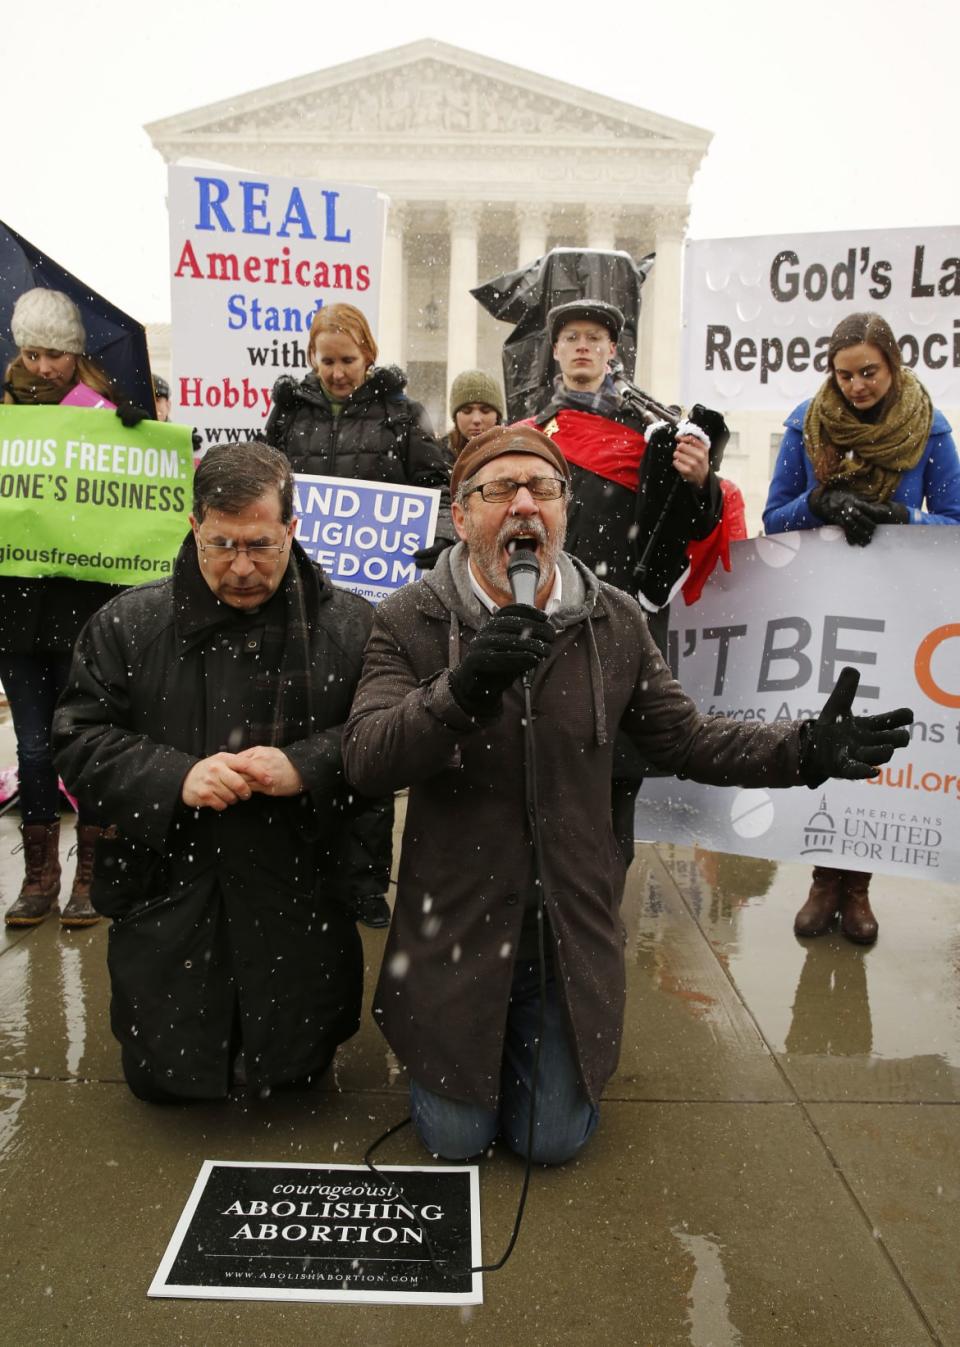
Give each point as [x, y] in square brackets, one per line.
[866, 457]
[31, 388]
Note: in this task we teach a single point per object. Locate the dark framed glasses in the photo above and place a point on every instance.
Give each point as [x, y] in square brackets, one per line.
[502, 489]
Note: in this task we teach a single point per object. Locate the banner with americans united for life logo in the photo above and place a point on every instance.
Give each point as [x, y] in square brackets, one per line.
[766, 642]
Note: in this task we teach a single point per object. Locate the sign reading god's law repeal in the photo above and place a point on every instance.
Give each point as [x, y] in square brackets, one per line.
[758, 312]
[766, 643]
[253, 1231]
[364, 534]
[253, 257]
[83, 496]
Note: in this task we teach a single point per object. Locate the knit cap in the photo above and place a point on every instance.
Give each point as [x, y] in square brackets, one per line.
[48, 320]
[500, 440]
[475, 386]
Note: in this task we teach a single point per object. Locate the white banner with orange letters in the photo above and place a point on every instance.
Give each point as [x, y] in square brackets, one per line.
[766, 643]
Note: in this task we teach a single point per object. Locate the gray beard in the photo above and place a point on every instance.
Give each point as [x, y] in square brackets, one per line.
[488, 561]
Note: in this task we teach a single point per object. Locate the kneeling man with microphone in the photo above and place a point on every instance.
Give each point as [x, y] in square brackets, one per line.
[502, 988]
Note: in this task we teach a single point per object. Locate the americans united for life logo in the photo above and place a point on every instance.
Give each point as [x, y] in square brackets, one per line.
[820, 833]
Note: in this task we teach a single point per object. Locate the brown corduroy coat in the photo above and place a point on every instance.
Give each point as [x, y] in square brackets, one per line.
[466, 862]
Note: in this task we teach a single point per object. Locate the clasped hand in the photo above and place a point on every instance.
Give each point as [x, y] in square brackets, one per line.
[224, 779]
[512, 643]
[840, 744]
[857, 517]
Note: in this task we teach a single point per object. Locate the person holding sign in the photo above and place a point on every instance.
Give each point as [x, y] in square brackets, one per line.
[870, 448]
[501, 715]
[41, 618]
[351, 418]
[203, 714]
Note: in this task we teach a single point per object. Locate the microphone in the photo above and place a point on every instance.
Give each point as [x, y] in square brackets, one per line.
[523, 572]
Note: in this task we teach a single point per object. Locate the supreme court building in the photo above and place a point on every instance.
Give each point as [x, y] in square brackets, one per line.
[487, 166]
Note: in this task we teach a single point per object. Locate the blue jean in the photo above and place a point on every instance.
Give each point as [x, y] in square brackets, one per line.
[33, 684]
[565, 1119]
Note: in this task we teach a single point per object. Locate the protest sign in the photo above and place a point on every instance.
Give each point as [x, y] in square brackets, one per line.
[364, 534]
[766, 643]
[758, 312]
[253, 257]
[83, 496]
[254, 1231]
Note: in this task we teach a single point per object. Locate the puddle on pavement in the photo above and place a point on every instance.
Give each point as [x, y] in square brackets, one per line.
[896, 1000]
[708, 1316]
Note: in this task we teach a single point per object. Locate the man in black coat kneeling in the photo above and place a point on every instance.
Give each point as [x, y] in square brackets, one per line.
[203, 716]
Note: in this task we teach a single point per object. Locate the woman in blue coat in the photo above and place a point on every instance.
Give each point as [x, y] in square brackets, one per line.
[870, 448]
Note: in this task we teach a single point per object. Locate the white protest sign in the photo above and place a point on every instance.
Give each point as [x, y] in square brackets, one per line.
[253, 256]
[758, 312]
[364, 534]
[766, 643]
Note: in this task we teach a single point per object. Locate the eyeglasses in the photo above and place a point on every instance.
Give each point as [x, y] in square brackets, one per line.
[502, 489]
[264, 555]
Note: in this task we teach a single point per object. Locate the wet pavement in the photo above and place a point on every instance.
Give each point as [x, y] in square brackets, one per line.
[778, 1160]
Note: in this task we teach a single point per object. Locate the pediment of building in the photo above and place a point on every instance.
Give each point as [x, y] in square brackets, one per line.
[428, 90]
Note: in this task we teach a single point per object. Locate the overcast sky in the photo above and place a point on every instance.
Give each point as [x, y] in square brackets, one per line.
[825, 115]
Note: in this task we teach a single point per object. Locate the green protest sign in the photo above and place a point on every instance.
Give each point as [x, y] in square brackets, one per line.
[82, 495]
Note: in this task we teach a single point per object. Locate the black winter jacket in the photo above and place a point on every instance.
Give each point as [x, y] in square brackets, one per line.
[212, 910]
[381, 435]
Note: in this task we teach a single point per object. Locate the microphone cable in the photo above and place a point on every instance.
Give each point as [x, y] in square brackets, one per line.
[532, 801]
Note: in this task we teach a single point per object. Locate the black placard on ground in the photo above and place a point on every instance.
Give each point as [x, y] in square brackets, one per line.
[254, 1231]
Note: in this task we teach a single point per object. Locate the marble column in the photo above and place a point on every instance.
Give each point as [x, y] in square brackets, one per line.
[663, 296]
[601, 227]
[391, 335]
[464, 219]
[533, 219]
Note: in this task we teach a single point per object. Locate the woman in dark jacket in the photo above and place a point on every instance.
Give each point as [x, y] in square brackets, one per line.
[351, 418]
[869, 449]
[41, 618]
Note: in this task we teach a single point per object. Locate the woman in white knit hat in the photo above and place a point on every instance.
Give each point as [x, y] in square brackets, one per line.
[41, 618]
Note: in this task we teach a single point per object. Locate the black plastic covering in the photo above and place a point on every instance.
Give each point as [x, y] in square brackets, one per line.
[525, 297]
[117, 342]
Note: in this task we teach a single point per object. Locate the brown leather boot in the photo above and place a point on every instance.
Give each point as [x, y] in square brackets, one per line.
[79, 911]
[822, 903]
[857, 921]
[41, 884]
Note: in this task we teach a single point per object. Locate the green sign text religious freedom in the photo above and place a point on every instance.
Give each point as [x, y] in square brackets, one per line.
[85, 497]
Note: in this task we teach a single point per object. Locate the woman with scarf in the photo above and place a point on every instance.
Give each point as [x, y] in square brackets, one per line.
[870, 448]
[349, 417]
[41, 618]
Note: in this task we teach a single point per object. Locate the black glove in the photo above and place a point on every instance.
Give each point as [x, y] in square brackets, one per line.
[835, 506]
[515, 640]
[714, 427]
[131, 415]
[285, 396]
[886, 512]
[196, 439]
[840, 744]
[427, 557]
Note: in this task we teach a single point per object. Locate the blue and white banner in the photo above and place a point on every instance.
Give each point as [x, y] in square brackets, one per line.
[766, 643]
[364, 534]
